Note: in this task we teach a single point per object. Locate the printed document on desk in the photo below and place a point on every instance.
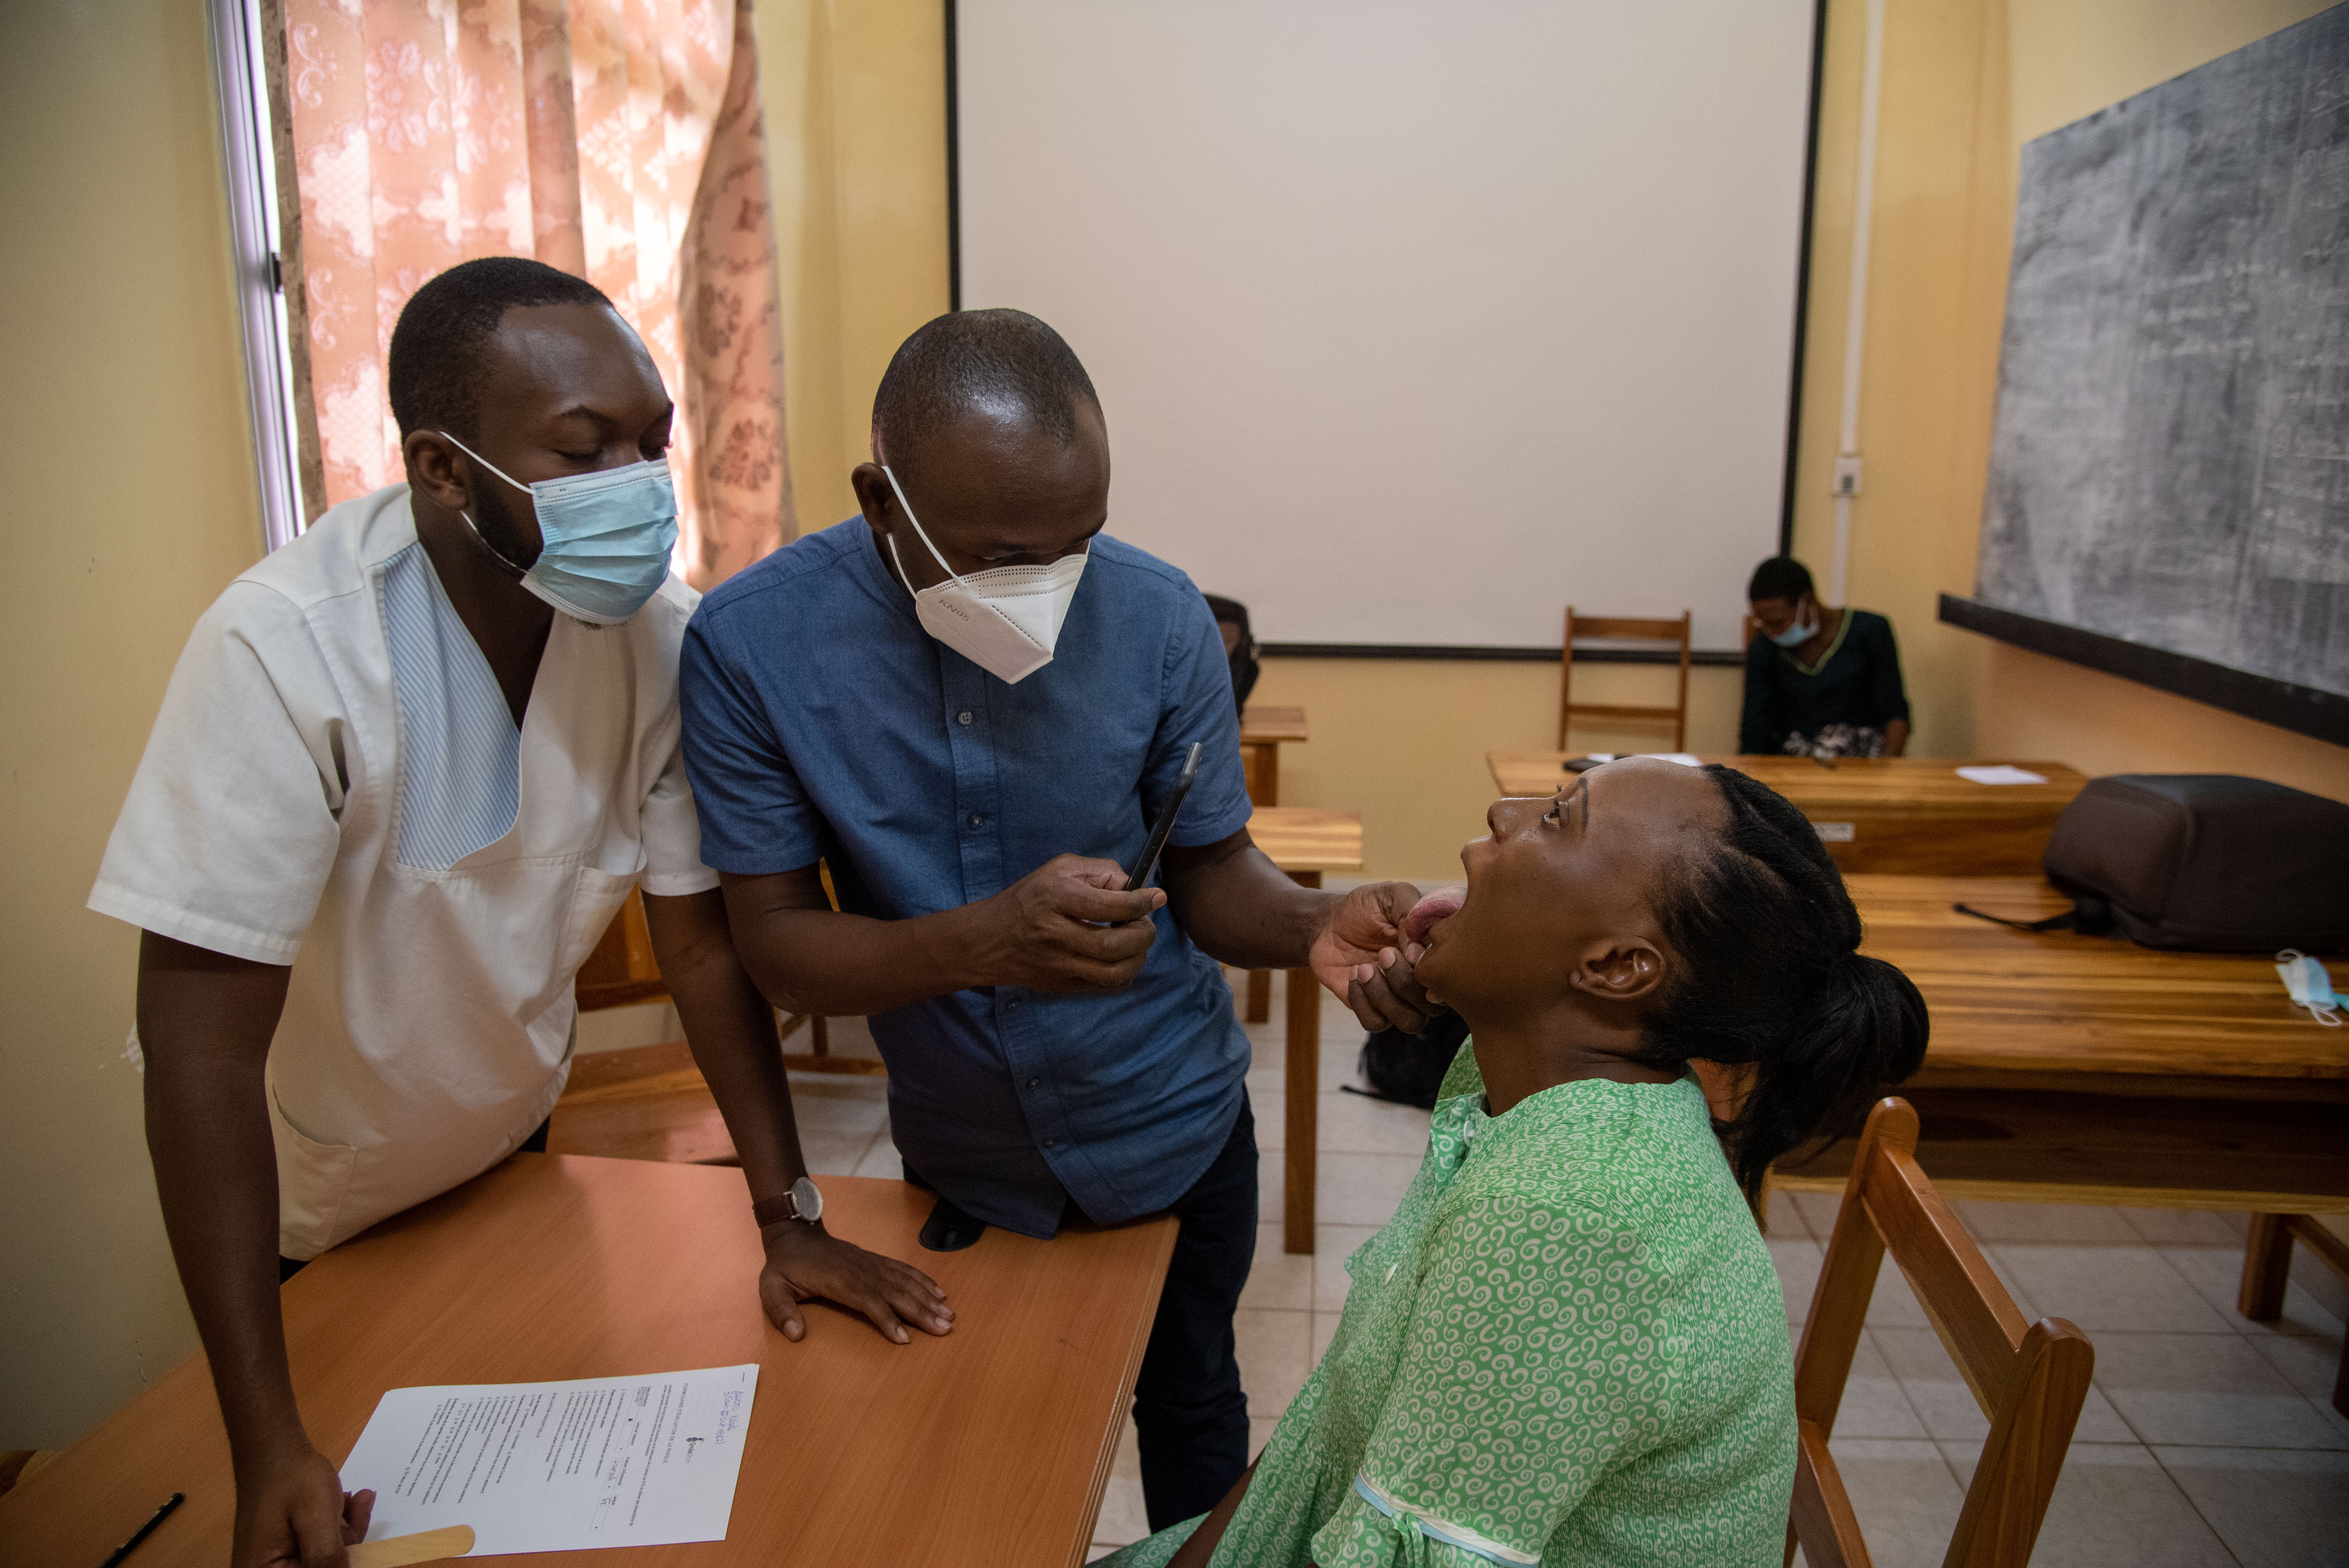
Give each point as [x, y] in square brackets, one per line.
[559, 1467]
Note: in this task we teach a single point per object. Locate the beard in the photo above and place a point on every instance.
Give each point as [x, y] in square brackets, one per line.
[501, 530]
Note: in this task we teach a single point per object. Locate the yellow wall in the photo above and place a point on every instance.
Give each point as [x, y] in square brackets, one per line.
[130, 502]
[854, 92]
[1966, 83]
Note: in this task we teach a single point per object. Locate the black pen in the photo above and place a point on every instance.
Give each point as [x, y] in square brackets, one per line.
[1167, 815]
[146, 1530]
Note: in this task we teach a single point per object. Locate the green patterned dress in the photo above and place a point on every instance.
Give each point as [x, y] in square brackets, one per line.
[1568, 1348]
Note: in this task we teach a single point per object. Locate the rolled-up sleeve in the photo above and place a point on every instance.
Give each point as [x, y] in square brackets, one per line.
[1528, 1372]
[672, 834]
[1197, 705]
[754, 815]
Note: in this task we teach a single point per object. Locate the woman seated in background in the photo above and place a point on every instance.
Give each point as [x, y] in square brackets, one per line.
[1818, 682]
[1569, 1346]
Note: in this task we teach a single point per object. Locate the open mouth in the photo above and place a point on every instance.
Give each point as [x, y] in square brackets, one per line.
[1430, 912]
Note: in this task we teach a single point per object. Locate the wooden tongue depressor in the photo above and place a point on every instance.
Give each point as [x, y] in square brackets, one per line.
[430, 1546]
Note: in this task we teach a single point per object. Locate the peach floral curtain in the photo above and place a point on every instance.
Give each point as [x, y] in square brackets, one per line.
[618, 140]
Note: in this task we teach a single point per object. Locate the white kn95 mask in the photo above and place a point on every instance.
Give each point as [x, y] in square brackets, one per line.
[1005, 619]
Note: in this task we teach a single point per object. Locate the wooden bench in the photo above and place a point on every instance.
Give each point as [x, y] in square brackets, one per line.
[2075, 1069]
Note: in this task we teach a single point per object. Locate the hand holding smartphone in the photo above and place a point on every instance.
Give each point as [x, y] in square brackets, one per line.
[1165, 823]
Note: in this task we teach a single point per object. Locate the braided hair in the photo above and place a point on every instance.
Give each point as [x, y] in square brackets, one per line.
[1771, 975]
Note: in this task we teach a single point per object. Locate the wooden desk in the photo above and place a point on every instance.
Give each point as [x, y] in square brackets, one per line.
[2080, 1070]
[991, 1445]
[1304, 843]
[1262, 729]
[1910, 814]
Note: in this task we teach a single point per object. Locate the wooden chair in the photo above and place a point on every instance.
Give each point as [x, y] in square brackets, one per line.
[2267, 1268]
[649, 1102]
[2030, 1380]
[1629, 629]
[19, 1466]
[622, 973]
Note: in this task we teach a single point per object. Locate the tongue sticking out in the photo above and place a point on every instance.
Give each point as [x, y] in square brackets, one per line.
[1437, 906]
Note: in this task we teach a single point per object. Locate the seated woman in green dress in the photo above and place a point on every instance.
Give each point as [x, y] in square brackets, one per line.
[1818, 682]
[1569, 1346]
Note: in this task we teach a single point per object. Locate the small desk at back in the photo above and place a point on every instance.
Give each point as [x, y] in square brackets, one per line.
[991, 1445]
[1885, 813]
[1304, 843]
[2068, 1069]
[1262, 729]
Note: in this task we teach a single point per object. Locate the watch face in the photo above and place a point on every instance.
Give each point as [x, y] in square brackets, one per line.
[807, 1199]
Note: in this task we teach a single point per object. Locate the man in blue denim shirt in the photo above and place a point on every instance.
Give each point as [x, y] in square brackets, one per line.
[971, 704]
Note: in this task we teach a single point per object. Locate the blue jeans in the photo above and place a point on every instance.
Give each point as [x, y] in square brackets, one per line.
[1188, 1410]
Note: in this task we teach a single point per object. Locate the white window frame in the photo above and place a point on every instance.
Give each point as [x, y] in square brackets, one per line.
[255, 217]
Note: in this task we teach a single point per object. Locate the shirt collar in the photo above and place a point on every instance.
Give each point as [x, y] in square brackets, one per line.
[874, 574]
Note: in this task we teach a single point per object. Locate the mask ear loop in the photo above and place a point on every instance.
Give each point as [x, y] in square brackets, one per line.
[483, 461]
[483, 538]
[918, 533]
[955, 576]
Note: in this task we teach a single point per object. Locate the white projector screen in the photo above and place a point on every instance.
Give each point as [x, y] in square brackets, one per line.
[1413, 322]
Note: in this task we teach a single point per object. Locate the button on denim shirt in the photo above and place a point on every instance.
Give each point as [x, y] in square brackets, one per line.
[821, 721]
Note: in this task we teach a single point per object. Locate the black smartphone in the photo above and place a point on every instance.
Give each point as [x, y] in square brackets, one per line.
[1166, 824]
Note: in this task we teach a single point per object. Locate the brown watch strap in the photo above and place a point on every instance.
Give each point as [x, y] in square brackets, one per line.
[775, 1210]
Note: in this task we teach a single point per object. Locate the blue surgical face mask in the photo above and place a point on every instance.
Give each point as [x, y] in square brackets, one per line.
[606, 537]
[2308, 986]
[1796, 636]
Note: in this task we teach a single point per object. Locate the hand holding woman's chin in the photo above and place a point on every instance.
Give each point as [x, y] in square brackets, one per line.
[1418, 931]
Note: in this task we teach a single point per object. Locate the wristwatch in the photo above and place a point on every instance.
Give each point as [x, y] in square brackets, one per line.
[803, 1202]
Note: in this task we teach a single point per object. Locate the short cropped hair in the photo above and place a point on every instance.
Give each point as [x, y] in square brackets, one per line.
[435, 371]
[977, 359]
[1781, 577]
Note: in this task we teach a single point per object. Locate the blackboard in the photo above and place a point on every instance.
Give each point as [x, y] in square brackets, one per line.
[2170, 463]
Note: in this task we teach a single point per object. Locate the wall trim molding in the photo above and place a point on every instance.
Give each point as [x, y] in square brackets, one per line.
[2303, 710]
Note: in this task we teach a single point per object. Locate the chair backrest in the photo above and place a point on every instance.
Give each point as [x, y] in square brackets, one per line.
[621, 971]
[2030, 1380]
[1622, 628]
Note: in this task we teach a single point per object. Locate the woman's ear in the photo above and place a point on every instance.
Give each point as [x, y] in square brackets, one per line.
[1618, 969]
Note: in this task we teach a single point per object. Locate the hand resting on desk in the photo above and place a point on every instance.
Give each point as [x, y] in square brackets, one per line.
[806, 1261]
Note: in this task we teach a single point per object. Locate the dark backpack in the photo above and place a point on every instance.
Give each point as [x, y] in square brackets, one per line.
[2202, 861]
[1408, 1068]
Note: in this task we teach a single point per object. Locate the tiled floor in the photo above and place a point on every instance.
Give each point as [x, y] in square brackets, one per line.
[2207, 1440]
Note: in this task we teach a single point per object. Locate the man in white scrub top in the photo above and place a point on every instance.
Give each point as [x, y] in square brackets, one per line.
[408, 769]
